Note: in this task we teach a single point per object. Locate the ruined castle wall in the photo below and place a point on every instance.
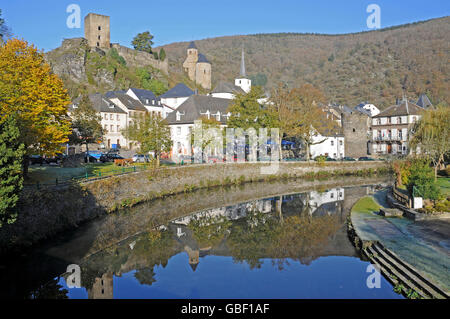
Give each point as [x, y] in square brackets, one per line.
[139, 58]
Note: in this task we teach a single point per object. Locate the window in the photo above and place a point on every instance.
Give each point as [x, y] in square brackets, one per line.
[118, 128]
[178, 116]
[332, 143]
[354, 130]
[111, 117]
[340, 143]
[99, 28]
[331, 195]
[118, 117]
[99, 37]
[98, 44]
[106, 127]
[399, 120]
[178, 130]
[106, 116]
[112, 128]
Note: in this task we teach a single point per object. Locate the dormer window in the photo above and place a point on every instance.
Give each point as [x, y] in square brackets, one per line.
[147, 101]
[153, 102]
[218, 116]
[178, 116]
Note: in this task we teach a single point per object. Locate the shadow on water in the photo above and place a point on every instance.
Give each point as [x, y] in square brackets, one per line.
[251, 224]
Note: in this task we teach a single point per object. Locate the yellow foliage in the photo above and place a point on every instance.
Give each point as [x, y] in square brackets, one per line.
[29, 89]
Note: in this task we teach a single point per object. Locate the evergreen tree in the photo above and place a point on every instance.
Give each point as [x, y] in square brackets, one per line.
[143, 42]
[11, 177]
[162, 54]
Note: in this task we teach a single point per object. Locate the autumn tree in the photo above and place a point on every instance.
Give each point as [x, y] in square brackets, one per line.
[151, 134]
[30, 90]
[432, 135]
[299, 114]
[206, 131]
[12, 151]
[143, 42]
[86, 123]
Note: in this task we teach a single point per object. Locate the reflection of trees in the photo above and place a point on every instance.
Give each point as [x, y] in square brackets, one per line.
[50, 290]
[209, 230]
[150, 249]
[145, 276]
[299, 237]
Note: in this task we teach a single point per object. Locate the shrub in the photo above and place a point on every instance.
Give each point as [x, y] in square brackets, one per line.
[422, 178]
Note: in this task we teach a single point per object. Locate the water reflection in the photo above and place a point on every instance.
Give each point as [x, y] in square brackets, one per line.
[289, 246]
[255, 241]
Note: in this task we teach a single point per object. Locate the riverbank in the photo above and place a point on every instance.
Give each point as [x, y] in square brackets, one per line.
[413, 255]
[47, 212]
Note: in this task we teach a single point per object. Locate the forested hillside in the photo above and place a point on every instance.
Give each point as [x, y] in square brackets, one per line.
[349, 68]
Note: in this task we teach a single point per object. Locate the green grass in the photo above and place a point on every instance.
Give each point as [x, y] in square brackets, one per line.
[366, 205]
[444, 184]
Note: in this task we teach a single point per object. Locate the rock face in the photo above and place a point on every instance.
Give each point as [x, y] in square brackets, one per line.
[69, 60]
[99, 69]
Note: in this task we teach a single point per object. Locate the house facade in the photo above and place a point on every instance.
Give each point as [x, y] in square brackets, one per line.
[391, 128]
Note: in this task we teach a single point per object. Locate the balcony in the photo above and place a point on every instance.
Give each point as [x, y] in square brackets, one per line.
[388, 138]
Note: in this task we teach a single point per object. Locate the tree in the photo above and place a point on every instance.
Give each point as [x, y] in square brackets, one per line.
[86, 123]
[151, 133]
[247, 112]
[207, 135]
[12, 151]
[432, 135]
[299, 114]
[162, 54]
[30, 90]
[143, 42]
[4, 30]
[422, 178]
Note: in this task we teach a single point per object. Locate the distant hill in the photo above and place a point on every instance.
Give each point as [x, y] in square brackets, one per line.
[349, 68]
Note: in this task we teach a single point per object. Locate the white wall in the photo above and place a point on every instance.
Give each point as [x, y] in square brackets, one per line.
[333, 146]
[174, 102]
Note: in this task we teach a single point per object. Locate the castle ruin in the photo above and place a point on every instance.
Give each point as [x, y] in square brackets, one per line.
[197, 67]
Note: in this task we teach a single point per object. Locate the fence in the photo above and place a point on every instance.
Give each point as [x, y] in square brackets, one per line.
[401, 196]
[92, 176]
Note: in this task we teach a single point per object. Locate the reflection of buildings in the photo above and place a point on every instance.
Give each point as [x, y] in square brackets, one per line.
[102, 287]
[230, 212]
[319, 202]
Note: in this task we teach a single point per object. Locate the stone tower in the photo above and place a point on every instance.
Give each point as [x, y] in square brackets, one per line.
[197, 67]
[102, 287]
[97, 30]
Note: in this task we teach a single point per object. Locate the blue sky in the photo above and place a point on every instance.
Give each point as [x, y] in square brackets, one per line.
[43, 22]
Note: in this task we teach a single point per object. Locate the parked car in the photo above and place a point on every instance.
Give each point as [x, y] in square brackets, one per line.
[329, 159]
[141, 158]
[348, 159]
[37, 159]
[365, 158]
[110, 157]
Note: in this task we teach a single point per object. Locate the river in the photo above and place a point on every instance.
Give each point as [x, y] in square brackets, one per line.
[266, 240]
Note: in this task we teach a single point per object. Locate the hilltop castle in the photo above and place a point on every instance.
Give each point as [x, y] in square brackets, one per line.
[197, 67]
[97, 30]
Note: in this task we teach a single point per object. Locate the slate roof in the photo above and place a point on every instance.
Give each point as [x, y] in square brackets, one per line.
[144, 95]
[130, 103]
[424, 101]
[100, 103]
[404, 108]
[111, 94]
[179, 90]
[202, 59]
[227, 87]
[192, 45]
[195, 105]
[362, 110]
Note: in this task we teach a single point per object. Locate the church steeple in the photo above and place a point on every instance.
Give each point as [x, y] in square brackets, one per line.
[243, 65]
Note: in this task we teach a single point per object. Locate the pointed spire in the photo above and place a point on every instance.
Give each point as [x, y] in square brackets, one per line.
[243, 64]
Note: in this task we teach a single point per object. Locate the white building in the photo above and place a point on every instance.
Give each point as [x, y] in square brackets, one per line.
[328, 143]
[176, 96]
[391, 128]
[370, 109]
[181, 121]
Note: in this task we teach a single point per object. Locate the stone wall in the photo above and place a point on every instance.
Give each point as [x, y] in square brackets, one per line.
[139, 58]
[49, 211]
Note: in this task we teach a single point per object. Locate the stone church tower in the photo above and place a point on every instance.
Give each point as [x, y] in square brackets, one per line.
[197, 67]
[97, 30]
